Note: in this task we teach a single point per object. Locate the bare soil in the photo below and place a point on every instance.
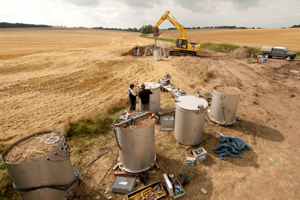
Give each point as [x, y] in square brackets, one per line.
[48, 88]
[227, 90]
[148, 50]
[241, 53]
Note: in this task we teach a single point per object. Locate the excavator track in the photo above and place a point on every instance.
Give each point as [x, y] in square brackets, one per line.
[182, 53]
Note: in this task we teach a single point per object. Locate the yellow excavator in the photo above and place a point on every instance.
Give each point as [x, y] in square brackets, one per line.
[183, 46]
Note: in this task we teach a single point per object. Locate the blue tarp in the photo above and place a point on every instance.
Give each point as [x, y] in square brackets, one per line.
[231, 147]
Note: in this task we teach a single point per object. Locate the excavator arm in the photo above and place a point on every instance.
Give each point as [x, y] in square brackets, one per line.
[172, 21]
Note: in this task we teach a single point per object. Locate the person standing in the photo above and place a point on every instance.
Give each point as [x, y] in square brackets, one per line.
[144, 95]
[132, 96]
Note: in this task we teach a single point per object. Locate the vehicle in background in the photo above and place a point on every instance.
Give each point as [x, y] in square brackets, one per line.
[281, 52]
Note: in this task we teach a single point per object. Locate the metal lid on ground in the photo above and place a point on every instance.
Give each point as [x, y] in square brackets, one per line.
[191, 103]
[153, 85]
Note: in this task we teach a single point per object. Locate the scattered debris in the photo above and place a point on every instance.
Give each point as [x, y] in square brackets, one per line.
[190, 160]
[146, 50]
[203, 191]
[99, 155]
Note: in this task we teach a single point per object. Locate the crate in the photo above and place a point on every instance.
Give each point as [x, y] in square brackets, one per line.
[131, 195]
[167, 121]
[200, 154]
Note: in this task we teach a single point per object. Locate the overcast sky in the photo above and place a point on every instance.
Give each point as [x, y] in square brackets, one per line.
[135, 13]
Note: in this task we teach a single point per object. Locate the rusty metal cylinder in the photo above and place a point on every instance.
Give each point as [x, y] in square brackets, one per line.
[189, 120]
[45, 176]
[224, 105]
[138, 148]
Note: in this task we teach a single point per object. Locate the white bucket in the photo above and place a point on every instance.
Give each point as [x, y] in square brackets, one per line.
[157, 54]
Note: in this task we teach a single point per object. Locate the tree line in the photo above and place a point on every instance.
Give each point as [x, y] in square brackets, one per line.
[296, 26]
[146, 29]
[21, 25]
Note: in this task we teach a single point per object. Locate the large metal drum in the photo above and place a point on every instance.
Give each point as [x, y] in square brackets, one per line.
[224, 105]
[154, 102]
[189, 120]
[47, 177]
[138, 148]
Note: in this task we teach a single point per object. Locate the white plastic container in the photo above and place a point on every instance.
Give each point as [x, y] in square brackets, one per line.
[157, 54]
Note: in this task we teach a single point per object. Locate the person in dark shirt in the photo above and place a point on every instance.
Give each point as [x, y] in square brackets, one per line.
[144, 95]
[132, 96]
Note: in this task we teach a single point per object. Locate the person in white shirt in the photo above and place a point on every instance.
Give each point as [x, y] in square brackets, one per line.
[132, 96]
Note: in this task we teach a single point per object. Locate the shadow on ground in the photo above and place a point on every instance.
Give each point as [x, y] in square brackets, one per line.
[199, 178]
[249, 158]
[257, 130]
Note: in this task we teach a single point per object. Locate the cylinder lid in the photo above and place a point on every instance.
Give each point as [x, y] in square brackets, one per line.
[190, 103]
[154, 85]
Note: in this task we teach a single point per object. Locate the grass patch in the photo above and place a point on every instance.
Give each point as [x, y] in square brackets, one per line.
[7, 191]
[254, 50]
[172, 41]
[92, 126]
[298, 54]
[224, 48]
[251, 61]
[95, 125]
[206, 74]
[2, 148]
[209, 74]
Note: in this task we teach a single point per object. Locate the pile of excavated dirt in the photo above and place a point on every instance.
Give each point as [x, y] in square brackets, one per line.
[285, 68]
[241, 53]
[148, 48]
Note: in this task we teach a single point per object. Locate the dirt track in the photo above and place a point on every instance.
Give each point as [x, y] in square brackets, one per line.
[45, 90]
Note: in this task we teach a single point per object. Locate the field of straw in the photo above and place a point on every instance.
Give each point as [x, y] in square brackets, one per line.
[51, 77]
[249, 37]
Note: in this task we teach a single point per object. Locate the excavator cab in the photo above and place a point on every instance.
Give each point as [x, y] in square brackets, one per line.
[182, 43]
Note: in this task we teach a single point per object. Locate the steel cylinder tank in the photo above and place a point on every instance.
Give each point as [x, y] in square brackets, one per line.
[189, 120]
[44, 177]
[154, 104]
[224, 105]
[138, 148]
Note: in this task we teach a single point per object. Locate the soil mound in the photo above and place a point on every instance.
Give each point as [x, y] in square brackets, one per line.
[227, 90]
[241, 53]
[140, 51]
[288, 69]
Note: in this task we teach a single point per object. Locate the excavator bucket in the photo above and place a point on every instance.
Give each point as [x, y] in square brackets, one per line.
[156, 34]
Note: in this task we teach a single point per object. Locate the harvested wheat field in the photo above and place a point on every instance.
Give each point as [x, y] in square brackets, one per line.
[46, 82]
[250, 37]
